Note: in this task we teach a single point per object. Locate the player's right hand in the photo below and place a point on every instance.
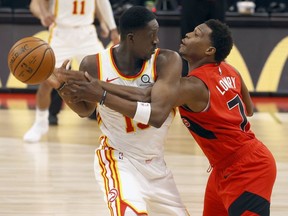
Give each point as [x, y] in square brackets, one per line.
[47, 19]
[63, 75]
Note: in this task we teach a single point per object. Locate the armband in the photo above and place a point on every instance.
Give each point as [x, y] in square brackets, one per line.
[142, 113]
[103, 98]
[61, 86]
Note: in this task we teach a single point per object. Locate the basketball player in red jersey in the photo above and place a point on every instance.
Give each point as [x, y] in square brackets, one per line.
[214, 104]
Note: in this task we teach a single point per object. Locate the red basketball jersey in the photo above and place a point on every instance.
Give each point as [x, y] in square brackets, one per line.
[222, 127]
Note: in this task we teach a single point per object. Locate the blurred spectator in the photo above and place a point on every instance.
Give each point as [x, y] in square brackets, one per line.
[15, 3]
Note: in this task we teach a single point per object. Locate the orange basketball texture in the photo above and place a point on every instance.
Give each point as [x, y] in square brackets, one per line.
[31, 60]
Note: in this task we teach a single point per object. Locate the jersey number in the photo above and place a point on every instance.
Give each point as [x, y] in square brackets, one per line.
[78, 5]
[236, 101]
[130, 127]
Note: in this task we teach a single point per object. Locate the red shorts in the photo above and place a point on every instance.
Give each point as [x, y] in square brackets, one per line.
[244, 187]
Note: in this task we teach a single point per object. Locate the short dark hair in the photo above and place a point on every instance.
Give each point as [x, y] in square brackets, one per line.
[134, 18]
[221, 38]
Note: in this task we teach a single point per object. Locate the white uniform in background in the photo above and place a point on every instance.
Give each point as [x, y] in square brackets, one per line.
[129, 164]
[72, 36]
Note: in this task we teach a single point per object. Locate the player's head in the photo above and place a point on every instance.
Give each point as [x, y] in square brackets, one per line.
[220, 38]
[139, 29]
[209, 42]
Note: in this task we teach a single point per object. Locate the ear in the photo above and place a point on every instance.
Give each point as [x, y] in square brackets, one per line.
[210, 51]
[130, 36]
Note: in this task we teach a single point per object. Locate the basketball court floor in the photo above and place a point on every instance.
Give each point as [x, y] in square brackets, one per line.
[54, 177]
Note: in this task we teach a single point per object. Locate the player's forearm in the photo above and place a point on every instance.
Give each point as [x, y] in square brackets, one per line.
[37, 7]
[82, 108]
[128, 92]
[106, 13]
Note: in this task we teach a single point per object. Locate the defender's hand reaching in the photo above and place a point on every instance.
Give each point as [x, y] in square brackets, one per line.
[88, 90]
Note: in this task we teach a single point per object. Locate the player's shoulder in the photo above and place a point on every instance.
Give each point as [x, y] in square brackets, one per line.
[168, 56]
[89, 59]
[90, 64]
[168, 52]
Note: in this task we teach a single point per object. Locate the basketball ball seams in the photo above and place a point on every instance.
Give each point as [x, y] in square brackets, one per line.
[13, 58]
[43, 57]
[31, 39]
[27, 54]
[31, 60]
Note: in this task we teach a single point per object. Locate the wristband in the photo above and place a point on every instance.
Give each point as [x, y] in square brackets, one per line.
[102, 101]
[142, 113]
[61, 86]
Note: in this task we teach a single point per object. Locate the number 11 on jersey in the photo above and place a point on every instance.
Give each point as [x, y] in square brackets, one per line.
[78, 7]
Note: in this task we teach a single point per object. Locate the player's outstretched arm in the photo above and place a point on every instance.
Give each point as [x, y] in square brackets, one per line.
[126, 92]
[163, 93]
[59, 79]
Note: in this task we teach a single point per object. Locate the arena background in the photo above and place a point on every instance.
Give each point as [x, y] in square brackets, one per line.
[260, 47]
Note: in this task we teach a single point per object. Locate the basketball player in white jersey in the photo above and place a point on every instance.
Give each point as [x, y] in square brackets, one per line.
[72, 34]
[129, 163]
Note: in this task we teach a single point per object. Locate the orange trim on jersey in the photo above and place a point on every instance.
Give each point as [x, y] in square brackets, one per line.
[99, 119]
[174, 110]
[51, 30]
[111, 182]
[56, 8]
[104, 142]
[123, 76]
[154, 71]
[115, 181]
[108, 166]
[103, 173]
[99, 66]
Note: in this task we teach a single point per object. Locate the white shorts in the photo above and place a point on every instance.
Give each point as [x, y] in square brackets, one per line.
[143, 186]
[74, 43]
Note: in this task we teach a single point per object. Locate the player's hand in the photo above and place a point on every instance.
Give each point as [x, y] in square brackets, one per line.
[64, 75]
[53, 81]
[89, 90]
[104, 30]
[114, 36]
[47, 19]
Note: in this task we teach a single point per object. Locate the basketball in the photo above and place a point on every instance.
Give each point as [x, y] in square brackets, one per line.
[31, 60]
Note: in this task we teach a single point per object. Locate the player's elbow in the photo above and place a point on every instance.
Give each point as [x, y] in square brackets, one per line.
[84, 114]
[250, 110]
[250, 113]
[86, 111]
[157, 120]
[156, 124]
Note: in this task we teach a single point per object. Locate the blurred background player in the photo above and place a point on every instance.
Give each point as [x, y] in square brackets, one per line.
[72, 34]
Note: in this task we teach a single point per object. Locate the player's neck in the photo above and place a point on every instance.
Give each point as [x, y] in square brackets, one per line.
[126, 62]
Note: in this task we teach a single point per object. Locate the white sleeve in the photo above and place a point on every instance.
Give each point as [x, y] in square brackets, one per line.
[104, 7]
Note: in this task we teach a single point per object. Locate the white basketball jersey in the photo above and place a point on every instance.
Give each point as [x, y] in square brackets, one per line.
[120, 132]
[70, 13]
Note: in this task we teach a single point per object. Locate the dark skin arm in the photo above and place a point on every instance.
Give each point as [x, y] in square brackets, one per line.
[163, 93]
[246, 99]
[194, 94]
[59, 77]
[84, 109]
[89, 64]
